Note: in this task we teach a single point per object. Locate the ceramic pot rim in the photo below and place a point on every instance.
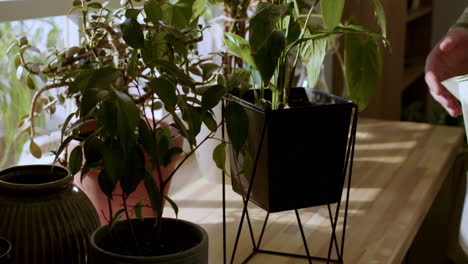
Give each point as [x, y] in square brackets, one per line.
[60, 183]
[6, 242]
[191, 251]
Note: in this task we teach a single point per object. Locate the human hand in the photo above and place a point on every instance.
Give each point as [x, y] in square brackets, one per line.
[447, 59]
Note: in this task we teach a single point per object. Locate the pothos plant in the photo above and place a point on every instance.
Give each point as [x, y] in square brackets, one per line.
[131, 61]
[281, 38]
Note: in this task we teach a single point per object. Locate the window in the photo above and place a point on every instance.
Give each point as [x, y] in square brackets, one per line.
[44, 24]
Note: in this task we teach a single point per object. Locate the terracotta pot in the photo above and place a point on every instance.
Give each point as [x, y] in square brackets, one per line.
[91, 187]
[45, 217]
[189, 241]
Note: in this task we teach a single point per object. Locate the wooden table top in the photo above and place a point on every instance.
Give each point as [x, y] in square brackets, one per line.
[398, 170]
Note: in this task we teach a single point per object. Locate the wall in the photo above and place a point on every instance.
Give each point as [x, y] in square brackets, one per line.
[445, 13]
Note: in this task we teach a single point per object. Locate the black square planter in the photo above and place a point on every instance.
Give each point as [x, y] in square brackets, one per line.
[303, 153]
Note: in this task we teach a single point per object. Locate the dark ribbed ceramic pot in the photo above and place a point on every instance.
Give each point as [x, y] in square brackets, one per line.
[45, 217]
[5, 248]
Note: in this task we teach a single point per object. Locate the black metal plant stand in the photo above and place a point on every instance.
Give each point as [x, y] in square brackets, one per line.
[339, 247]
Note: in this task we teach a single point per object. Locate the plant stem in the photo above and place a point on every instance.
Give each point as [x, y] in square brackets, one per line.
[132, 231]
[34, 102]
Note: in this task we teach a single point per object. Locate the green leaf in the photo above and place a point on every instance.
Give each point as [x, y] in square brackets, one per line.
[132, 64]
[132, 13]
[219, 156]
[34, 149]
[332, 10]
[115, 166]
[145, 138]
[156, 48]
[95, 5]
[193, 117]
[313, 53]
[164, 143]
[173, 205]
[92, 150]
[239, 47]
[76, 160]
[363, 66]
[263, 22]
[197, 9]
[106, 183]
[209, 121]
[132, 33]
[380, 14]
[128, 118]
[212, 96]
[153, 11]
[179, 14]
[166, 91]
[80, 83]
[237, 123]
[136, 172]
[267, 56]
[173, 70]
[208, 69]
[239, 77]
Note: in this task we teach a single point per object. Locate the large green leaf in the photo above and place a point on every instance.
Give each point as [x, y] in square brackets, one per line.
[267, 56]
[76, 159]
[176, 72]
[166, 91]
[212, 96]
[106, 183]
[132, 33]
[153, 11]
[136, 171]
[237, 123]
[179, 14]
[239, 78]
[313, 53]
[332, 10]
[115, 166]
[219, 156]
[263, 23]
[363, 66]
[380, 14]
[129, 112]
[155, 49]
[239, 47]
[197, 9]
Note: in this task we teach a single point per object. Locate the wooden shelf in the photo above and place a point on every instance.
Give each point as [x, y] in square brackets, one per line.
[412, 73]
[417, 13]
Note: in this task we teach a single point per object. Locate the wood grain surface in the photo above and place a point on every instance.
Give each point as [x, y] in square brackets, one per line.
[398, 170]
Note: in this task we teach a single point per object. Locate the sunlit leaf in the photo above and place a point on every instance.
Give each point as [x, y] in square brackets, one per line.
[363, 66]
[219, 156]
[332, 10]
[239, 47]
[34, 149]
[380, 14]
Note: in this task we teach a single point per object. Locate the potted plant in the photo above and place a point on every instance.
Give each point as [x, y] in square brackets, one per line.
[295, 140]
[131, 62]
